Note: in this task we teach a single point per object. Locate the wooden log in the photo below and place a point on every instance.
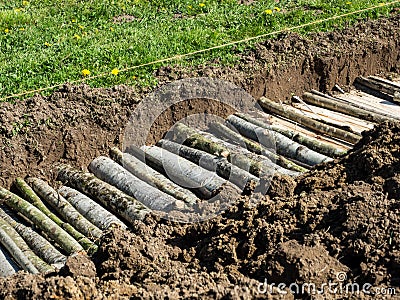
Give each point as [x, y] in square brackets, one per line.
[184, 172]
[40, 246]
[39, 264]
[16, 252]
[220, 130]
[394, 85]
[37, 217]
[90, 209]
[111, 172]
[378, 85]
[312, 143]
[7, 266]
[220, 165]
[315, 125]
[112, 198]
[238, 156]
[340, 106]
[29, 194]
[65, 209]
[284, 145]
[152, 177]
[372, 88]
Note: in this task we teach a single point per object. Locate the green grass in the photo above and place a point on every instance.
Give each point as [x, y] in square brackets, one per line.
[44, 42]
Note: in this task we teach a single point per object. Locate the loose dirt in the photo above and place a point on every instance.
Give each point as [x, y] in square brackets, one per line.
[339, 217]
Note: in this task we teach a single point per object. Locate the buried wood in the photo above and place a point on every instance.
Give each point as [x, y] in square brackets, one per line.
[91, 210]
[112, 198]
[109, 171]
[341, 107]
[7, 266]
[238, 156]
[65, 209]
[234, 137]
[42, 247]
[151, 176]
[16, 252]
[41, 220]
[284, 145]
[29, 194]
[312, 143]
[39, 264]
[312, 124]
[211, 162]
[184, 172]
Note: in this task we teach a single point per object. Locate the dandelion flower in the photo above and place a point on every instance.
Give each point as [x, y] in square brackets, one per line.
[202, 4]
[277, 9]
[189, 7]
[77, 36]
[17, 10]
[6, 30]
[25, 3]
[81, 27]
[22, 29]
[85, 72]
[111, 29]
[115, 71]
[47, 44]
[73, 20]
[348, 2]
[268, 11]
[134, 77]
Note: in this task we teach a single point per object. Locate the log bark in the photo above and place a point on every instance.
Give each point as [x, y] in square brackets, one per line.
[184, 172]
[309, 142]
[112, 198]
[37, 217]
[111, 172]
[91, 210]
[39, 264]
[42, 247]
[378, 85]
[220, 165]
[16, 252]
[314, 125]
[152, 177]
[65, 209]
[238, 156]
[7, 266]
[29, 194]
[341, 107]
[220, 130]
[284, 145]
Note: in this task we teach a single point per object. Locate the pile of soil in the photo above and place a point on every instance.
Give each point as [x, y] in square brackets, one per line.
[340, 217]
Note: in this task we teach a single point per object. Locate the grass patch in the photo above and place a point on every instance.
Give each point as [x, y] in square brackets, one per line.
[46, 42]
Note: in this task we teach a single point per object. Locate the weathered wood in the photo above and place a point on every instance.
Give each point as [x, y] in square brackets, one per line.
[315, 125]
[16, 252]
[111, 172]
[378, 85]
[65, 209]
[7, 266]
[184, 172]
[152, 177]
[223, 131]
[284, 145]
[211, 162]
[37, 217]
[373, 88]
[39, 264]
[238, 156]
[312, 143]
[42, 247]
[340, 106]
[90, 209]
[112, 198]
[29, 194]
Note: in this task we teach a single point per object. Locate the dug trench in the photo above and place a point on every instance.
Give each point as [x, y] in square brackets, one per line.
[339, 217]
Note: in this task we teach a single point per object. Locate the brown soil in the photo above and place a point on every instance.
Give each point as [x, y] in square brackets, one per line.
[340, 217]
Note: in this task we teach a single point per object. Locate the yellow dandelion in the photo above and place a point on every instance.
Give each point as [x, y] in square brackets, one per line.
[47, 44]
[111, 29]
[277, 9]
[6, 30]
[85, 72]
[268, 11]
[81, 27]
[202, 4]
[17, 10]
[115, 71]
[22, 29]
[134, 77]
[25, 3]
[381, 4]
[77, 36]
[348, 2]
[73, 20]
[190, 7]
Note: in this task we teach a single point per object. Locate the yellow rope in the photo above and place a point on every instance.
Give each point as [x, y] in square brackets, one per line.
[180, 56]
